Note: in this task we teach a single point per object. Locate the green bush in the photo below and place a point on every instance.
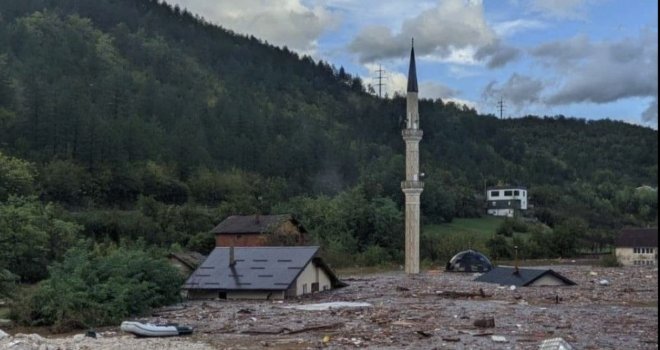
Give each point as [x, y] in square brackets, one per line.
[99, 287]
[609, 261]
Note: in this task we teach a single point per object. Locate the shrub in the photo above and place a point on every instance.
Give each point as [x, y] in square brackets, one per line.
[610, 261]
[97, 288]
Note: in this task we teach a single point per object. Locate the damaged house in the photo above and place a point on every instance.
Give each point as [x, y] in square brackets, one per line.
[514, 276]
[261, 273]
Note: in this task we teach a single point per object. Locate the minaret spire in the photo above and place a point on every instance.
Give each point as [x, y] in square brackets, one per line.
[412, 70]
[412, 187]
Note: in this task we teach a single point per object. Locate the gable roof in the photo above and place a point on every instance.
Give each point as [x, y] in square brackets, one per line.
[505, 276]
[190, 259]
[252, 224]
[637, 237]
[256, 268]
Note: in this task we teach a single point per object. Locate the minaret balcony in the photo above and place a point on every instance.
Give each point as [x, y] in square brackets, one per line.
[412, 185]
[412, 134]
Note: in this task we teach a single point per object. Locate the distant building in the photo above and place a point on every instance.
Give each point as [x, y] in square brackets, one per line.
[511, 276]
[637, 247]
[261, 273]
[259, 230]
[186, 262]
[506, 200]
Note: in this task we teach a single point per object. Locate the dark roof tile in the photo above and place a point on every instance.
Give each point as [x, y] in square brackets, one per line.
[506, 276]
[637, 237]
[283, 266]
[251, 223]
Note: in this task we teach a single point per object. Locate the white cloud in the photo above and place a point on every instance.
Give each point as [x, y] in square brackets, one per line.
[288, 23]
[396, 83]
[438, 31]
[509, 28]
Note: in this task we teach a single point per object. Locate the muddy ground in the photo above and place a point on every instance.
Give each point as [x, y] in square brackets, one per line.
[433, 310]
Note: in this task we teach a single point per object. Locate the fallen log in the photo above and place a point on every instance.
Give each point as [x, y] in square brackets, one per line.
[462, 295]
[316, 328]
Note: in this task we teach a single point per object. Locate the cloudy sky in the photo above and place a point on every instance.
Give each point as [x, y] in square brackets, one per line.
[585, 58]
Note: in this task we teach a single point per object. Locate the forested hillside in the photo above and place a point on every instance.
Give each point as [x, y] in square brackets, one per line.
[139, 121]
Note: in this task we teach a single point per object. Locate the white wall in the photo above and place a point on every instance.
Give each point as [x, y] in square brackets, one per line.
[312, 274]
[627, 257]
[522, 196]
[548, 280]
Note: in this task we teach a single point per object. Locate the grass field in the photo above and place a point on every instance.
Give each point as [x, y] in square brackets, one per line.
[484, 227]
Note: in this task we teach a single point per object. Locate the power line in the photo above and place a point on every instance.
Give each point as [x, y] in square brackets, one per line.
[380, 78]
[500, 107]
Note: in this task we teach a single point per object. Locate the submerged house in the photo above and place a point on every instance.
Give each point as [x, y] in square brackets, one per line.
[259, 230]
[513, 276]
[637, 247]
[261, 273]
[469, 261]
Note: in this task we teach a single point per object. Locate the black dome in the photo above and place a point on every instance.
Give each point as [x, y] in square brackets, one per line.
[469, 261]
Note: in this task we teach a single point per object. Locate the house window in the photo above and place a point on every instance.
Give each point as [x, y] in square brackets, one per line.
[315, 287]
[516, 193]
[508, 193]
[494, 193]
[304, 288]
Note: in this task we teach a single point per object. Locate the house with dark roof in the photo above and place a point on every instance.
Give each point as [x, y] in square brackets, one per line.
[259, 230]
[637, 247]
[185, 262]
[513, 276]
[261, 273]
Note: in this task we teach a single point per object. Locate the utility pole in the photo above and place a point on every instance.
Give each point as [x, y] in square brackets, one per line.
[380, 78]
[500, 107]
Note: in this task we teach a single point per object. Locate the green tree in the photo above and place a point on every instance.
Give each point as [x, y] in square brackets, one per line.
[17, 177]
[32, 235]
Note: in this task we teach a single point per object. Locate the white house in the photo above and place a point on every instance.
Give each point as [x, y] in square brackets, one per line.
[506, 200]
[637, 247]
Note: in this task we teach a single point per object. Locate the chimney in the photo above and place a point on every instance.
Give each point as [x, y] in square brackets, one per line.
[232, 260]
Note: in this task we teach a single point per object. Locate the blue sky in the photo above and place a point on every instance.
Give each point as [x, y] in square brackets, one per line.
[591, 59]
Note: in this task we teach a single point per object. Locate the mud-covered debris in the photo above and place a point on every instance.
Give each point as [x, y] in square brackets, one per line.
[328, 306]
[555, 344]
[485, 322]
[498, 339]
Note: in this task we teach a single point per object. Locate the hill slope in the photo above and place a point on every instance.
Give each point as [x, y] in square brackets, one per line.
[136, 97]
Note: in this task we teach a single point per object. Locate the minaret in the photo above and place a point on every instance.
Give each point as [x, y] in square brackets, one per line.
[412, 187]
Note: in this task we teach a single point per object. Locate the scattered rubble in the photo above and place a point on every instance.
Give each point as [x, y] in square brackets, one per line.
[587, 316]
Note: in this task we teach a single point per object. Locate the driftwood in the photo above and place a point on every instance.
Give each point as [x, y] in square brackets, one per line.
[463, 295]
[285, 330]
[316, 328]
